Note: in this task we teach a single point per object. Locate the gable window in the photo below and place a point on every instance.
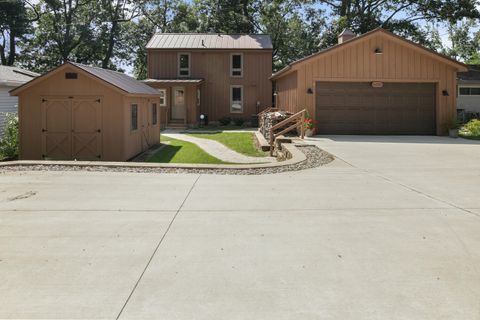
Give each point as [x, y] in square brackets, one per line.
[184, 64]
[134, 117]
[236, 99]
[154, 114]
[236, 65]
[465, 91]
[163, 97]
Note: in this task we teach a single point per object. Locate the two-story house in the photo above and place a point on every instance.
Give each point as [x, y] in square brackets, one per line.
[215, 75]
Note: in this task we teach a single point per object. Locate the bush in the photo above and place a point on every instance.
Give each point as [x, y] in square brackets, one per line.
[225, 121]
[9, 141]
[471, 129]
[238, 121]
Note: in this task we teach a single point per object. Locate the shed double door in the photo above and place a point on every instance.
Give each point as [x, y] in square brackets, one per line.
[72, 128]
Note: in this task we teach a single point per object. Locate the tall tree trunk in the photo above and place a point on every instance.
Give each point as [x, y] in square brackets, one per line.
[111, 44]
[11, 54]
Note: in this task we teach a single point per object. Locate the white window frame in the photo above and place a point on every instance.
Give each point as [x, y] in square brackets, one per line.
[164, 103]
[470, 88]
[236, 69]
[198, 97]
[231, 98]
[189, 64]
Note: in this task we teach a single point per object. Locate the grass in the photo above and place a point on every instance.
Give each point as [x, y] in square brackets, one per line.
[177, 151]
[219, 128]
[241, 142]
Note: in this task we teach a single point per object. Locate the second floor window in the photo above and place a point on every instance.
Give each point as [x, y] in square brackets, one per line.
[183, 64]
[236, 65]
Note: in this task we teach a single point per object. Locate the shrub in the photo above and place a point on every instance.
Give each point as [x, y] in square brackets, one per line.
[9, 141]
[225, 121]
[238, 121]
[471, 129]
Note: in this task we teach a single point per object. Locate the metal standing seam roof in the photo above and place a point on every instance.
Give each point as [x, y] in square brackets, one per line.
[118, 79]
[13, 76]
[209, 41]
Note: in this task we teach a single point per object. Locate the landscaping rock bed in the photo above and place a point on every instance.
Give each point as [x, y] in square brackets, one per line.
[315, 157]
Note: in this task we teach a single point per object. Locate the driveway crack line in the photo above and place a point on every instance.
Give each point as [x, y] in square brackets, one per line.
[157, 247]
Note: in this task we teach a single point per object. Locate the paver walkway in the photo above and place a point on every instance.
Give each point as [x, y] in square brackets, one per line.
[218, 150]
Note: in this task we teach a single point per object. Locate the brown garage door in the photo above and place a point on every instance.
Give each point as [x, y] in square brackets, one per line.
[71, 128]
[359, 108]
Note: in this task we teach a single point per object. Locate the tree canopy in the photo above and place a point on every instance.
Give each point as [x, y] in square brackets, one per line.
[42, 34]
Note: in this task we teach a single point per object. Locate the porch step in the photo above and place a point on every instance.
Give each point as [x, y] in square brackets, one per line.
[176, 125]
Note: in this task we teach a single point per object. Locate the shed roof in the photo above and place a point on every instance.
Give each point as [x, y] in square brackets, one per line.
[209, 41]
[117, 79]
[14, 77]
[460, 66]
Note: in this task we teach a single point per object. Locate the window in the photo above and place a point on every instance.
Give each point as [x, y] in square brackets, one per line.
[469, 91]
[134, 117]
[163, 97]
[198, 97]
[184, 64]
[236, 65]
[236, 98]
[154, 114]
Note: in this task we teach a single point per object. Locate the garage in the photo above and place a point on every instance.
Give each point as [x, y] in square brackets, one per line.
[376, 83]
[79, 112]
[375, 108]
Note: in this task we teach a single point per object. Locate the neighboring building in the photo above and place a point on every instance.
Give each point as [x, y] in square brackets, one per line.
[216, 75]
[376, 83]
[86, 113]
[469, 89]
[10, 78]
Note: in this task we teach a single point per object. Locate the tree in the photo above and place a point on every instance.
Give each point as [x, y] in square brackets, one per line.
[14, 24]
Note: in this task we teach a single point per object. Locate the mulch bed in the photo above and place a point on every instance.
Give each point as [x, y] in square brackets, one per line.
[315, 158]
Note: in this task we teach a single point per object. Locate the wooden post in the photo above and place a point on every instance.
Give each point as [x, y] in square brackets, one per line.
[302, 130]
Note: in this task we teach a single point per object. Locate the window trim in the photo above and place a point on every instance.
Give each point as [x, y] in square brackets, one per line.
[132, 106]
[199, 95]
[189, 64]
[164, 104]
[231, 98]
[469, 91]
[154, 114]
[236, 69]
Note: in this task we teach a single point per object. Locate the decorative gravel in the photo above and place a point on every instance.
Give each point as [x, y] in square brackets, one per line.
[315, 158]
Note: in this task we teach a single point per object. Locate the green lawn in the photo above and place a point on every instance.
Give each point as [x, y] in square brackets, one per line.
[177, 151]
[242, 142]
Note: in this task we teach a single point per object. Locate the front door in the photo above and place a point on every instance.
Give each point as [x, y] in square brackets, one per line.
[178, 105]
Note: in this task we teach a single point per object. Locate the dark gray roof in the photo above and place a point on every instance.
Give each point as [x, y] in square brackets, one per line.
[472, 75]
[13, 76]
[118, 79]
[209, 41]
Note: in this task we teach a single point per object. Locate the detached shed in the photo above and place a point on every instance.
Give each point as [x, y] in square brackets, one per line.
[86, 113]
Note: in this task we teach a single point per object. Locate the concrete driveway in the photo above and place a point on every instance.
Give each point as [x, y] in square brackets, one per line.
[390, 230]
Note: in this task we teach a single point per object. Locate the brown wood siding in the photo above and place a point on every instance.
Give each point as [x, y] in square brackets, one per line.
[357, 62]
[286, 89]
[214, 67]
[114, 121]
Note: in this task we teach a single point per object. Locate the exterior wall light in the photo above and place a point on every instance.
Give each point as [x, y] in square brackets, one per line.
[445, 93]
[378, 51]
[309, 91]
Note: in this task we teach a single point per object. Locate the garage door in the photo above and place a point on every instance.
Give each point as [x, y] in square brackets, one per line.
[71, 129]
[360, 108]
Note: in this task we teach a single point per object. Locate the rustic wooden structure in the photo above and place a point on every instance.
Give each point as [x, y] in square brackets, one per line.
[86, 113]
[376, 83]
[209, 59]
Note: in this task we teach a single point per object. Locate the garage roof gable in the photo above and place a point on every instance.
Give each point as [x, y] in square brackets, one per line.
[458, 65]
[116, 79]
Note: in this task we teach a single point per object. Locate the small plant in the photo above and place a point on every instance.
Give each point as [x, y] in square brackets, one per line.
[238, 121]
[471, 129]
[453, 124]
[309, 124]
[9, 141]
[225, 121]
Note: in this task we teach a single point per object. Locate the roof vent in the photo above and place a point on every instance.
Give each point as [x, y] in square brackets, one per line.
[346, 35]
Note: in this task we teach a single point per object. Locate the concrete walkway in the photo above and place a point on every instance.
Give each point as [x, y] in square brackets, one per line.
[218, 150]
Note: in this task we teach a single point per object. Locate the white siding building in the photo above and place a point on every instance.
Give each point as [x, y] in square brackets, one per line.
[468, 94]
[10, 78]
